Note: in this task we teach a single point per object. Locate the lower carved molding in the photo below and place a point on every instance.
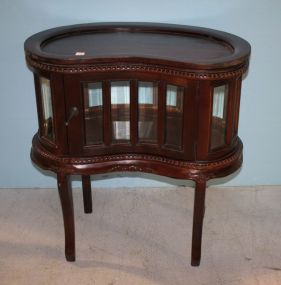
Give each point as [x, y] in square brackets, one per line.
[197, 171]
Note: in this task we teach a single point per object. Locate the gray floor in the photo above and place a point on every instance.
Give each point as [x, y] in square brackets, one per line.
[142, 236]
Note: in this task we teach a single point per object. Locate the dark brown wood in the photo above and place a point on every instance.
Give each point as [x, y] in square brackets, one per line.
[87, 193]
[163, 42]
[198, 216]
[107, 114]
[204, 121]
[179, 138]
[237, 105]
[65, 193]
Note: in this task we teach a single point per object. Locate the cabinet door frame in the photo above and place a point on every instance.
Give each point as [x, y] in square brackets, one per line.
[76, 130]
[59, 145]
[205, 116]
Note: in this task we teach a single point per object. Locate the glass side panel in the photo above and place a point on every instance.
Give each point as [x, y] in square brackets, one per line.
[174, 116]
[120, 110]
[48, 120]
[147, 105]
[93, 113]
[220, 98]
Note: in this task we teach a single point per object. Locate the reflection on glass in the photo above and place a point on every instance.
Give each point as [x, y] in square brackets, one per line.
[171, 98]
[174, 116]
[48, 123]
[120, 110]
[93, 113]
[220, 97]
[147, 105]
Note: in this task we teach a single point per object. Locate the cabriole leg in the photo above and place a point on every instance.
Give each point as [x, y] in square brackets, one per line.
[65, 193]
[87, 193]
[198, 215]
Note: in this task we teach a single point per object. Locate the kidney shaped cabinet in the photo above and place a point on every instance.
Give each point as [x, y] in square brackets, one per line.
[154, 98]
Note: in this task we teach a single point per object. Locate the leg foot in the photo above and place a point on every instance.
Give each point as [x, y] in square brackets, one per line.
[198, 215]
[70, 258]
[65, 193]
[87, 194]
[195, 262]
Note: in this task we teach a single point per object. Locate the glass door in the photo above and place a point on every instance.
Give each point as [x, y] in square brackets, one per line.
[124, 115]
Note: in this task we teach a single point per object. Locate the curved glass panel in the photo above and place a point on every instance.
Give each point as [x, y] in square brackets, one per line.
[93, 113]
[120, 110]
[48, 120]
[147, 106]
[219, 114]
[174, 116]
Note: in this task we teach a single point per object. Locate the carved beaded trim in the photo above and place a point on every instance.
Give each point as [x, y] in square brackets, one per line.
[130, 168]
[136, 67]
[134, 157]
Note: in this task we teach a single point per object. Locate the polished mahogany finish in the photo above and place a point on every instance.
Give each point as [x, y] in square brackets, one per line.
[154, 98]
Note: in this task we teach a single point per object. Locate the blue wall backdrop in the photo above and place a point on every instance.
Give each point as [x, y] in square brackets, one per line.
[258, 21]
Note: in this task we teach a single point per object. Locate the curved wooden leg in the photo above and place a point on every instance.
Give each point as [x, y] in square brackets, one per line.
[87, 193]
[65, 193]
[198, 215]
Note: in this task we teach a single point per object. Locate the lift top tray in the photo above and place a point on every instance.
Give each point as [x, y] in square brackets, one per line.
[185, 46]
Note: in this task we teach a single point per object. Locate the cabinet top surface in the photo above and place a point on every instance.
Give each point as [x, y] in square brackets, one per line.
[138, 42]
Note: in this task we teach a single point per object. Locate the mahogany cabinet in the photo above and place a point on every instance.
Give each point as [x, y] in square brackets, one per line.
[145, 97]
